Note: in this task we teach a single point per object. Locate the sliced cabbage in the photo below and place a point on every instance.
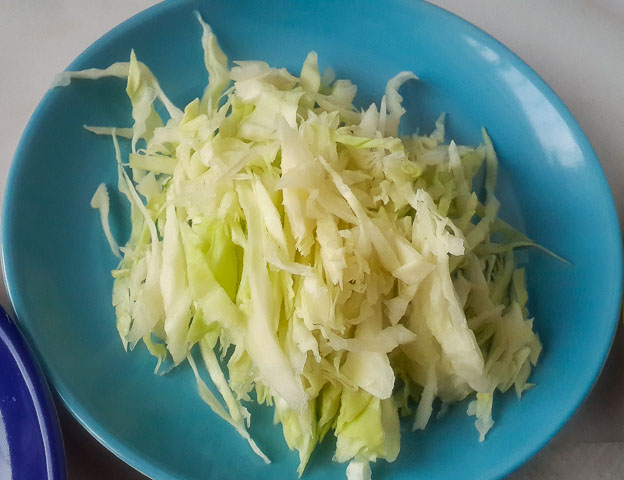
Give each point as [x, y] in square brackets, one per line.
[101, 201]
[349, 273]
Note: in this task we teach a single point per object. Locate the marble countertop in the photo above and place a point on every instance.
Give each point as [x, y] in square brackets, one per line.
[575, 45]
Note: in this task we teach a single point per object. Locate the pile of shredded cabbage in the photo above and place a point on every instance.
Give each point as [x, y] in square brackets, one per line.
[319, 263]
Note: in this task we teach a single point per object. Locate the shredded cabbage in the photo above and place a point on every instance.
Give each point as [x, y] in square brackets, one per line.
[348, 274]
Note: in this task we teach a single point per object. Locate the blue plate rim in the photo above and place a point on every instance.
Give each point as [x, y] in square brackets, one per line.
[41, 398]
[151, 467]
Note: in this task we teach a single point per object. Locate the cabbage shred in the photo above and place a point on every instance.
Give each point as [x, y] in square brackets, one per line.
[350, 276]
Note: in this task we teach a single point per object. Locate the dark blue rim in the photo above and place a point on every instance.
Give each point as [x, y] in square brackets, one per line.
[39, 392]
[153, 469]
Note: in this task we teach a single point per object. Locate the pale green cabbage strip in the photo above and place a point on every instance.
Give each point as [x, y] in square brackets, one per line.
[348, 276]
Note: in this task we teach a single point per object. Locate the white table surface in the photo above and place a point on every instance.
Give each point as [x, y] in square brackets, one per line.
[577, 46]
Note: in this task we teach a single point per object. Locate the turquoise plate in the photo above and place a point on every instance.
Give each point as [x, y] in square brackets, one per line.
[552, 187]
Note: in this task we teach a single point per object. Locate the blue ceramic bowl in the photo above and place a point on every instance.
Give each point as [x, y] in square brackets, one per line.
[552, 188]
[31, 446]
